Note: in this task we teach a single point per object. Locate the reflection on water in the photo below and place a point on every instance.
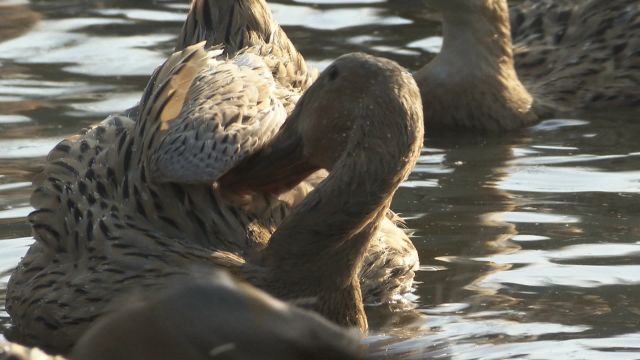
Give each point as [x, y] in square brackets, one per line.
[529, 244]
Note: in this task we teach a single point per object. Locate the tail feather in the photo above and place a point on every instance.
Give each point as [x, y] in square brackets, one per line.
[240, 24]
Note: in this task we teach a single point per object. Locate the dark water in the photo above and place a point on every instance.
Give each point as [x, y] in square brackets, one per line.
[530, 244]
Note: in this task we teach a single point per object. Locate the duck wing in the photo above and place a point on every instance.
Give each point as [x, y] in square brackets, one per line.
[203, 113]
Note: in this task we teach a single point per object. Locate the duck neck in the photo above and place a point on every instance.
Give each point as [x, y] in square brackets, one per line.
[317, 251]
[485, 40]
[475, 66]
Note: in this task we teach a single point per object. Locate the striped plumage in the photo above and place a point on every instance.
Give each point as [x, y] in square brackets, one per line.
[246, 23]
[129, 203]
[579, 54]
[565, 57]
[104, 226]
[212, 120]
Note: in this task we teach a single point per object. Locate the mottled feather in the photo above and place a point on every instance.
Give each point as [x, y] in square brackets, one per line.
[208, 114]
[566, 57]
[241, 24]
[579, 54]
[105, 225]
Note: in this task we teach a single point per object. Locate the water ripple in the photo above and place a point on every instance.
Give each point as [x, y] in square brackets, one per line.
[551, 179]
[27, 148]
[550, 274]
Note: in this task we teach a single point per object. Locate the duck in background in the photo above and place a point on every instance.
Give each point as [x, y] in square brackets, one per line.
[568, 56]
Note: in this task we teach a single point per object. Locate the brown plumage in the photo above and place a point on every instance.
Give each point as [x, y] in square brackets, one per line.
[104, 226]
[210, 315]
[202, 315]
[239, 24]
[129, 204]
[579, 54]
[232, 110]
[369, 142]
[569, 56]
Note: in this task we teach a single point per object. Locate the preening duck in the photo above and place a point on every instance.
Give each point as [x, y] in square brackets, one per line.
[569, 56]
[391, 259]
[117, 211]
[369, 142]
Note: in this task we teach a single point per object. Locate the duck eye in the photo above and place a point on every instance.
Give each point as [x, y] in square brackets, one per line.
[333, 73]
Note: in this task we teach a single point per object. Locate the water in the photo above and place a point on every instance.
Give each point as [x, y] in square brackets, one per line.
[530, 243]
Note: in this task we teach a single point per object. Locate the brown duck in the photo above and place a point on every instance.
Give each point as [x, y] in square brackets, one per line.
[567, 56]
[210, 315]
[127, 202]
[391, 260]
[107, 220]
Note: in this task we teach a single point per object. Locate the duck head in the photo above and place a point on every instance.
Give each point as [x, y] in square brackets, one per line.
[357, 89]
[362, 121]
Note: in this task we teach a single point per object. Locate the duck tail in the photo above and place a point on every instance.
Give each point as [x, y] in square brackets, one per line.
[238, 25]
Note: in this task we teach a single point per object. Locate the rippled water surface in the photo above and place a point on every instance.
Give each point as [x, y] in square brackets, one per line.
[530, 244]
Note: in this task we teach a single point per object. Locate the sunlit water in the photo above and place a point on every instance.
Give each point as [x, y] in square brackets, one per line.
[530, 244]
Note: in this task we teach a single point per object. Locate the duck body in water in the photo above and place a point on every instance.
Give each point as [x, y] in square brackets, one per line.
[106, 224]
[117, 209]
[586, 59]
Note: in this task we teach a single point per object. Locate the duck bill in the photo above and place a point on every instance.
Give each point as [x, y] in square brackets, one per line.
[275, 169]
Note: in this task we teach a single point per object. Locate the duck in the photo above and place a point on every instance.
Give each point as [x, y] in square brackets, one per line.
[115, 211]
[206, 314]
[210, 314]
[392, 259]
[90, 187]
[369, 143]
[546, 59]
